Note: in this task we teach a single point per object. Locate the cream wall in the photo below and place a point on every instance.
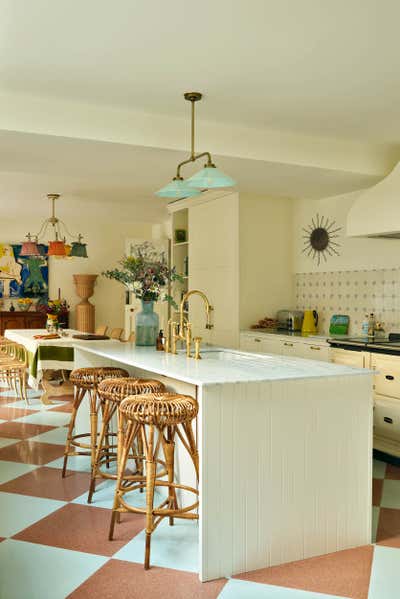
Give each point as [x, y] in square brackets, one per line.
[105, 231]
[266, 248]
[355, 253]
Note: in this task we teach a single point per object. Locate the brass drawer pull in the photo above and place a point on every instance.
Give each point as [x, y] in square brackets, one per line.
[315, 347]
[288, 344]
[257, 340]
[389, 377]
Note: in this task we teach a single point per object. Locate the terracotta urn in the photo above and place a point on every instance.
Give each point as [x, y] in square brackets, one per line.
[85, 311]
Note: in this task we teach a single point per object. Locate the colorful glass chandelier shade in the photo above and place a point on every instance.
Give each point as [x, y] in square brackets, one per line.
[29, 248]
[78, 250]
[58, 246]
[208, 178]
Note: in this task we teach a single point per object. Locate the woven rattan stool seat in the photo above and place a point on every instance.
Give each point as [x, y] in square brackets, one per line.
[88, 378]
[167, 409]
[117, 389]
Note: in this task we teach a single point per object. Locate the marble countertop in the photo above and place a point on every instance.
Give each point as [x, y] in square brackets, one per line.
[219, 365]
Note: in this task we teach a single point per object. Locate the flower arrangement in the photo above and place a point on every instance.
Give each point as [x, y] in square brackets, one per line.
[55, 308]
[24, 303]
[145, 273]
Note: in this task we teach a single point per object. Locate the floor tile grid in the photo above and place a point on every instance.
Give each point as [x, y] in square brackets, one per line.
[37, 513]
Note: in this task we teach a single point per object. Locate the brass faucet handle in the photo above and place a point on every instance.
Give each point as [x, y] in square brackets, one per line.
[197, 341]
[188, 338]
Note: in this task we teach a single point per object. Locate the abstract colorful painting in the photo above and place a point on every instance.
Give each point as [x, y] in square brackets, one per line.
[23, 276]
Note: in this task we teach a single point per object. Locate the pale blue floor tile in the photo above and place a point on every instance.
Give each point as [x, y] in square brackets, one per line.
[20, 511]
[6, 441]
[79, 463]
[174, 547]
[58, 436]
[34, 404]
[385, 574]
[391, 494]
[33, 397]
[378, 469]
[31, 571]
[242, 589]
[10, 470]
[2, 421]
[46, 418]
[103, 496]
[375, 522]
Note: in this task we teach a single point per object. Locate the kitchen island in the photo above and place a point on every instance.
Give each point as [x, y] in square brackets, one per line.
[285, 450]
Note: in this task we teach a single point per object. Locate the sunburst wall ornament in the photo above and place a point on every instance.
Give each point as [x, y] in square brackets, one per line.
[319, 238]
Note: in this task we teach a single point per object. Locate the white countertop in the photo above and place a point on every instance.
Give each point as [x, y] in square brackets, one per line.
[233, 367]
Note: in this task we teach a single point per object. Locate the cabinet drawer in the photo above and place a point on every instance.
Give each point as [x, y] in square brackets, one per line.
[347, 357]
[314, 351]
[387, 417]
[387, 379]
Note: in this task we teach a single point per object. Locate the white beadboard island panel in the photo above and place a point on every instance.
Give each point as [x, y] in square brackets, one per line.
[285, 471]
[285, 450]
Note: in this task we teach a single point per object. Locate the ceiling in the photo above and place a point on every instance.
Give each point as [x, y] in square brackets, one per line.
[328, 70]
[32, 165]
[306, 66]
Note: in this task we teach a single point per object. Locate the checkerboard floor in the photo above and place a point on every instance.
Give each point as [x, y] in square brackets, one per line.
[54, 545]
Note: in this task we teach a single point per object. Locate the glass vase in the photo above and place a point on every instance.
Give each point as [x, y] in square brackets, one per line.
[147, 325]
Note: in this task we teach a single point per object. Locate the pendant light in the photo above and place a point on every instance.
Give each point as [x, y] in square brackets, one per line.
[208, 178]
[58, 246]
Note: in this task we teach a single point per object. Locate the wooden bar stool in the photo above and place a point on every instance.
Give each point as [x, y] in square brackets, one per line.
[158, 419]
[111, 392]
[87, 380]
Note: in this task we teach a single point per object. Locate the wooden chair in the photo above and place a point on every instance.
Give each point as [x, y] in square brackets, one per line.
[13, 367]
[130, 339]
[116, 334]
[101, 329]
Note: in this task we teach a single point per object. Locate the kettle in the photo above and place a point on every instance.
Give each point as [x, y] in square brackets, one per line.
[310, 322]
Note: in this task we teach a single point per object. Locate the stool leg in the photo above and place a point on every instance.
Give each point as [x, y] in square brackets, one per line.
[169, 453]
[194, 454]
[123, 453]
[79, 395]
[108, 410]
[150, 480]
[93, 425]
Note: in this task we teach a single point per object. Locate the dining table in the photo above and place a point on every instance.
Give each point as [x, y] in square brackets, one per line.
[47, 354]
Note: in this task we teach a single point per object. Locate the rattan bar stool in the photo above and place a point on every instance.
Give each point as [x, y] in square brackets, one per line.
[87, 380]
[111, 392]
[158, 419]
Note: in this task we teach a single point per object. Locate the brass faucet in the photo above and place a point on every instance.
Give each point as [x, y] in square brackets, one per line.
[183, 330]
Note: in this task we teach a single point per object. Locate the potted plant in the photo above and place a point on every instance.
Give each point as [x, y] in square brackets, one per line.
[57, 313]
[146, 274]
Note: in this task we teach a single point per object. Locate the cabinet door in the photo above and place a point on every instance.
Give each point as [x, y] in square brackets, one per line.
[287, 347]
[347, 357]
[261, 344]
[387, 379]
[13, 322]
[251, 344]
[316, 351]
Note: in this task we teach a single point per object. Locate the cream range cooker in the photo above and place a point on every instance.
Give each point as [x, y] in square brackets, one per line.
[384, 357]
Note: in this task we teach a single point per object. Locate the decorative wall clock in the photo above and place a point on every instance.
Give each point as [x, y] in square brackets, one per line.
[319, 238]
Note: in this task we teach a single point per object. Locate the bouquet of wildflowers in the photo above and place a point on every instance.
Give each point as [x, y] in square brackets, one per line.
[55, 308]
[145, 273]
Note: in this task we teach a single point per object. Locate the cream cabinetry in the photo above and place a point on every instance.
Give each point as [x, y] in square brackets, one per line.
[238, 256]
[386, 394]
[284, 345]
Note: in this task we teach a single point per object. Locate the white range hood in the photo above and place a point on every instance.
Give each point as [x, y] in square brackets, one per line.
[376, 211]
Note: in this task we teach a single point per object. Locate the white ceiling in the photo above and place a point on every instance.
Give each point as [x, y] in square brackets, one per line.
[323, 68]
[302, 67]
[91, 172]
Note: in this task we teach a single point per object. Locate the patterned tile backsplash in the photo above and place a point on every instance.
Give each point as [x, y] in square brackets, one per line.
[351, 292]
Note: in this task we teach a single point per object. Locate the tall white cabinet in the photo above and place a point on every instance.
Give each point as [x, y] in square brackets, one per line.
[239, 251]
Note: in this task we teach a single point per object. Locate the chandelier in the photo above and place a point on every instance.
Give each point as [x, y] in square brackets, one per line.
[208, 178]
[58, 246]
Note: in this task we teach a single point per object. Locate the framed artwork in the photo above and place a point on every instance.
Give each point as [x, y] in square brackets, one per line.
[23, 276]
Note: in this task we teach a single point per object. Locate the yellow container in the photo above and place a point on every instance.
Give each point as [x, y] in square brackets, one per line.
[310, 322]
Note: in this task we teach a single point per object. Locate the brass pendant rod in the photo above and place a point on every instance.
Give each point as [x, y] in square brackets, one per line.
[192, 155]
[193, 159]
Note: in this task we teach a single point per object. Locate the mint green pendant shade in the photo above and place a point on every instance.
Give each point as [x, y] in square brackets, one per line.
[78, 250]
[178, 188]
[210, 177]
